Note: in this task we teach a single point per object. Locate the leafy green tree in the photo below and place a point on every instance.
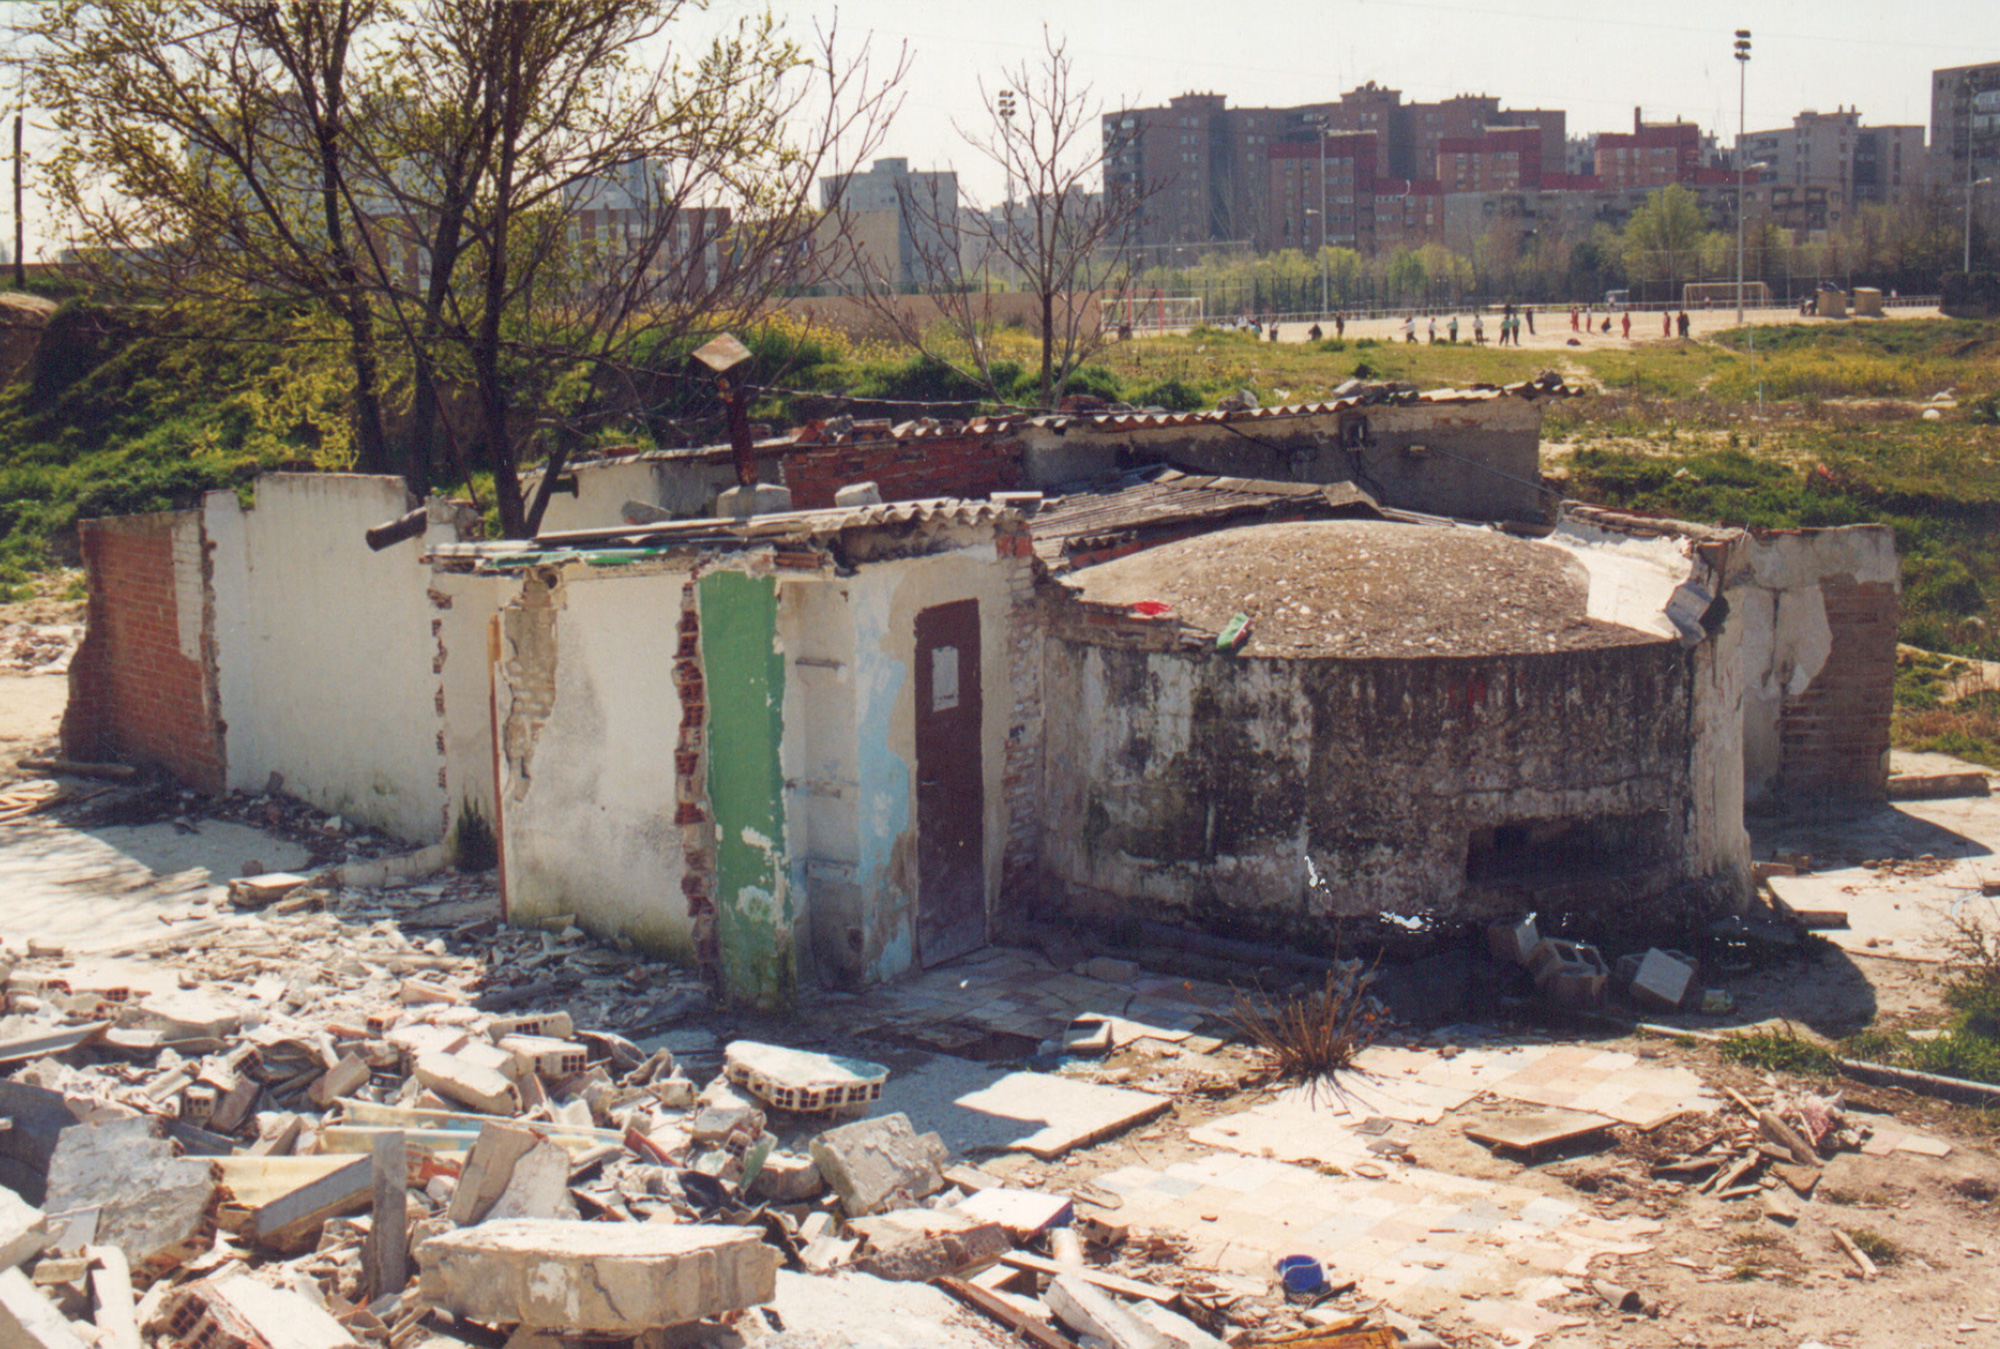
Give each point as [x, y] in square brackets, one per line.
[437, 173]
[1663, 239]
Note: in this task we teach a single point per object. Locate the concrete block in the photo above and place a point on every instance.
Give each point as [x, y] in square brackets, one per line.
[1095, 1314]
[552, 1059]
[759, 499]
[555, 1025]
[184, 1016]
[24, 1230]
[788, 1178]
[1109, 970]
[152, 1205]
[1663, 980]
[1512, 939]
[875, 1163]
[597, 1278]
[857, 494]
[30, 1321]
[470, 1084]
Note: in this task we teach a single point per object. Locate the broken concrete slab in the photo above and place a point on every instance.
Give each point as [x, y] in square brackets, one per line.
[799, 1080]
[859, 1311]
[873, 1163]
[24, 1230]
[1095, 1314]
[489, 1165]
[918, 1245]
[1530, 1131]
[184, 1016]
[788, 1178]
[30, 1321]
[538, 1186]
[975, 1108]
[156, 1207]
[1024, 1213]
[240, 1310]
[470, 1084]
[1175, 1329]
[596, 1278]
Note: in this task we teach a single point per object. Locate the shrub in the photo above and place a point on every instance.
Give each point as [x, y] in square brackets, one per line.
[1174, 394]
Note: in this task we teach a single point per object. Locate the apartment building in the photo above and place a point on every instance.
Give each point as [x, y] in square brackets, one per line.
[1830, 160]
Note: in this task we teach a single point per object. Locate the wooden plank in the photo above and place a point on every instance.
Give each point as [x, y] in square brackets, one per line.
[111, 1289]
[1856, 1254]
[1110, 1283]
[359, 1112]
[993, 1305]
[292, 1219]
[385, 1256]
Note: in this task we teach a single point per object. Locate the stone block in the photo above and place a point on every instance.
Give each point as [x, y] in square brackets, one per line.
[857, 494]
[1662, 980]
[596, 1278]
[30, 1321]
[1095, 1314]
[24, 1230]
[1109, 970]
[875, 1163]
[758, 499]
[152, 1205]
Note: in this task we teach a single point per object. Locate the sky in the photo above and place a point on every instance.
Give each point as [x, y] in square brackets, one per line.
[1595, 59]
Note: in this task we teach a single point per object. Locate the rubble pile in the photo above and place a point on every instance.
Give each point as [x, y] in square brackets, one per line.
[331, 1116]
[38, 648]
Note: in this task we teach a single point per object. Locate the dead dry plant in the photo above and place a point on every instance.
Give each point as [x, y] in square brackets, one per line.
[1305, 1036]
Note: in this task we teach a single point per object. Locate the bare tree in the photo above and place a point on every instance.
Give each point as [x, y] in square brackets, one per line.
[1065, 241]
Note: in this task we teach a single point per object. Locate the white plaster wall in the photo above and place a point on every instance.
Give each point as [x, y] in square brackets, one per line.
[821, 760]
[1631, 579]
[601, 493]
[324, 651]
[886, 597]
[588, 811]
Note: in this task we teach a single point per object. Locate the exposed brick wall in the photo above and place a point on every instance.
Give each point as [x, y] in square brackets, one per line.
[137, 692]
[1020, 859]
[691, 793]
[1836, 734]
[913, 469]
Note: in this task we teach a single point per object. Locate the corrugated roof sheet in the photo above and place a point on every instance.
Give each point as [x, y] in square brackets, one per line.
[786, 526]
[864, 431]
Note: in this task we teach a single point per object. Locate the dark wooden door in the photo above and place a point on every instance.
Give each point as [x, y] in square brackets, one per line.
[951, 803]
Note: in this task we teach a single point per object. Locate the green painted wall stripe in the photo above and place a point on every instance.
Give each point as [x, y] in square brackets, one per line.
[745, 677]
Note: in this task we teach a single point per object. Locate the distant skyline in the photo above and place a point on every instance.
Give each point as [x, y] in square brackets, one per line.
[1592, 60]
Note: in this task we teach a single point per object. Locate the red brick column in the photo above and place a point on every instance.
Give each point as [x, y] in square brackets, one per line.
[1835, 735]
[135, 695]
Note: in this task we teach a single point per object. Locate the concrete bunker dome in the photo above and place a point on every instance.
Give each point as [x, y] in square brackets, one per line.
[1425, 721]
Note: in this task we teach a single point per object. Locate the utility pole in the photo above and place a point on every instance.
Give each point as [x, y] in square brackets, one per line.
[1742, 133]
[1320, 125]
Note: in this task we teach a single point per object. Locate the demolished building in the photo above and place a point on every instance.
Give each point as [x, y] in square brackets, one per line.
[838, 744]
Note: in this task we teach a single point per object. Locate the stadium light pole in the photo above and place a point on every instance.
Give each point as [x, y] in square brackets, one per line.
[1742, 133]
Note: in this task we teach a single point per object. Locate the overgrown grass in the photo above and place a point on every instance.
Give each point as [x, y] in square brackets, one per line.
[1778, 1051]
